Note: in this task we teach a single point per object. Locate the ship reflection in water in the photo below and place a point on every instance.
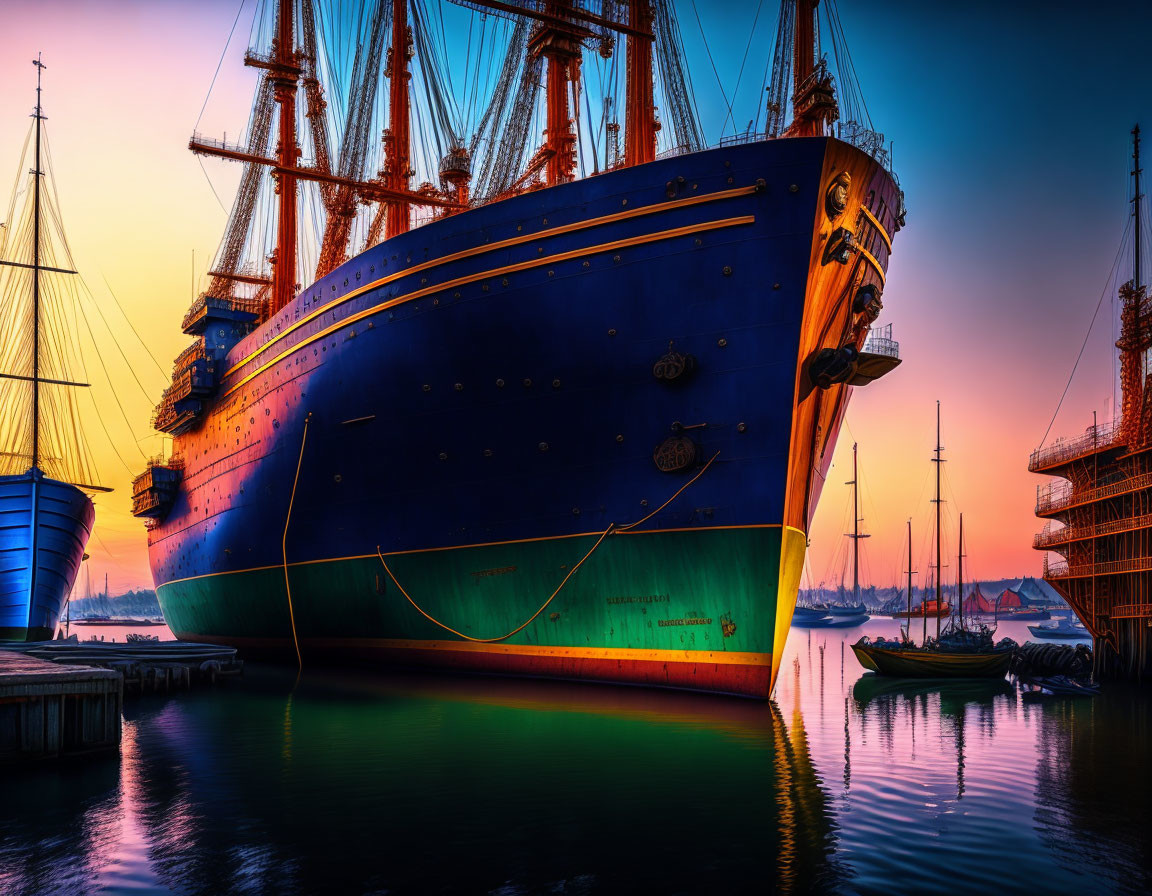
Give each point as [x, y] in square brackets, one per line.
[349, 784]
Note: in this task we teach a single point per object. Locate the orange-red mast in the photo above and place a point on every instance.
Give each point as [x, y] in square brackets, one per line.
[398, 141]
[814, 106]
[284, 73]
[557, 38]
[804, 45]
[561, 49]
[640, 108]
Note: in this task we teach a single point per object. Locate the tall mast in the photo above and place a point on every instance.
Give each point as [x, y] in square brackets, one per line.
[39, 116]
[855, 536]
[562, 52]
[960, 573]
[814, 107]
[804, 43]
[939, 555]
[909, 570]
[855, 529]
[640, 134]
[284, 71]
[1136, 204]
[398, 168]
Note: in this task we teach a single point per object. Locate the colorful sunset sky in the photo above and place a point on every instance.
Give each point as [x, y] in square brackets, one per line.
[1010, 124]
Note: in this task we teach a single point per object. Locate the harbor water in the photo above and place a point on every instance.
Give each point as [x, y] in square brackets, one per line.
[347, 782]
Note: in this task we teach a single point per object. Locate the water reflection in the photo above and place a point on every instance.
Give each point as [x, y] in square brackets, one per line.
[1093, 780]
[355, 784]
[451, 785]
[56, 821]
[896, 701]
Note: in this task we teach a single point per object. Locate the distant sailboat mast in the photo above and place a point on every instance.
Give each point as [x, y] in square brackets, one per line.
[909, 571]
[939, 548]
[855, 536]
[960, 573]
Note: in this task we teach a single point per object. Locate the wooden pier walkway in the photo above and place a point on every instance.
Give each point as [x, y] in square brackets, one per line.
[144, 666]
[47, 710]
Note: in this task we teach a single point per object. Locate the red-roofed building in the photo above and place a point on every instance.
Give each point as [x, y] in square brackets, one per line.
[976, 603]
[1009, 600]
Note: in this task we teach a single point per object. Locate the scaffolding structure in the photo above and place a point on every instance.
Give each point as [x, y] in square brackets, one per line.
[1105, 504]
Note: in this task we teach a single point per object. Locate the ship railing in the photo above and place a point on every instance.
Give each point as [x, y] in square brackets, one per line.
[866, 140]
[1060, 496]
[1063, 570]
[748, 136]
[1065, 534]
[682, 150]
[250, 306]
[880, 342]
[1062, 451]
[193, 352]
[1131, 611]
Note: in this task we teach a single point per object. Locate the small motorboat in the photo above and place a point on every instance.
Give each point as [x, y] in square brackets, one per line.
[847, 621]
[1062, 631]
[810, 621]
[1028, 615]
[1057, 686]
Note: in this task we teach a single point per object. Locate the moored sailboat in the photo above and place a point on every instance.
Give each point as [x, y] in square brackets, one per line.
[959, 651]
[44, 480]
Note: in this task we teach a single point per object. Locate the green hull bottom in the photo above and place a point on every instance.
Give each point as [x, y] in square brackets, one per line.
[690, 608]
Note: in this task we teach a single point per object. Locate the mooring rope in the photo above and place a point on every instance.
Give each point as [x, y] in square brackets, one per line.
[284, 543]
[612, 529]
[703, 470]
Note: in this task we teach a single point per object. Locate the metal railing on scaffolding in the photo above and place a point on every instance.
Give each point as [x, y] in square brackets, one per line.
[1095, 438]
[1055, 497]
[1063, 570]
[1053, 536]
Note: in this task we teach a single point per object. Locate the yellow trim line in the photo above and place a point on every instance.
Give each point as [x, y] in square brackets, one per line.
[494, 247]
[871, 259]
[461, 547]
[880, 227]
[496, 272]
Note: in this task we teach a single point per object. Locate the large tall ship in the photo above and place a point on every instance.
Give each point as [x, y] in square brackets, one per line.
[535, 423]
[46, 514]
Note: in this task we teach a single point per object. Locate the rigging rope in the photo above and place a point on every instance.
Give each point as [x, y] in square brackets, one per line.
[708, 50]
[1087, 335]
[284, 543]
[612, 528]
[216, 74]
[747, 47]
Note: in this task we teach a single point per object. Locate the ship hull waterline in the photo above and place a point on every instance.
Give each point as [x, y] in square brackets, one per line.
[46, 526]
[626, 594]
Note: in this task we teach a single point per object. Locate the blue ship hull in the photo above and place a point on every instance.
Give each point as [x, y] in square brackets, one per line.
[489, 380]
[44, 528]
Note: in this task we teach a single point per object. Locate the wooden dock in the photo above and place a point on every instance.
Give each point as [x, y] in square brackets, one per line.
[48, 711]
[145, 666]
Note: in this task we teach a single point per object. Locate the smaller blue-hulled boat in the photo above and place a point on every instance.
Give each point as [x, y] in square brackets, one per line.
[1065, 630]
